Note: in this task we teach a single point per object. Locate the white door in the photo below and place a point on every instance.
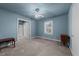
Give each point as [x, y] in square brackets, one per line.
[20, 31]
[75, 29]
[26, 30]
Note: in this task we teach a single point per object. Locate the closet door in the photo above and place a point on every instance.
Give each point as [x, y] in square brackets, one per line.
[26, 30]
[20, 31]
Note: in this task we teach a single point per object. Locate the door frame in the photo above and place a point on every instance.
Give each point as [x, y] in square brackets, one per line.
[18, 24]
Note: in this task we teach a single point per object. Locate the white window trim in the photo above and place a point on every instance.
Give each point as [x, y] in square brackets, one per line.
[46, 22]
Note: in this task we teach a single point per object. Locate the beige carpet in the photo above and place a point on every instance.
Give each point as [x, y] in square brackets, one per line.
[36, 47]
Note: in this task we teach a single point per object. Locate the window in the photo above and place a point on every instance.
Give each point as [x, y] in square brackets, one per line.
[48, 27]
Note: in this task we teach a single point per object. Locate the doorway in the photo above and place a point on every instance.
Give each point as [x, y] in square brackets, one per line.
[23, 29]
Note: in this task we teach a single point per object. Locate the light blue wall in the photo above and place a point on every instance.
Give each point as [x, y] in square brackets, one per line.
[70, 25]
[33, 28]
[60, 25]
[8, 23]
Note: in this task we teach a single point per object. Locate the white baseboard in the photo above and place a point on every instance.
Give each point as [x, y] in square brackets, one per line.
[33, 37]
[47, 38]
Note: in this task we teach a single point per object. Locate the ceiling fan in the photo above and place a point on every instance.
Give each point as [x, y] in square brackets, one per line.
[37, 14]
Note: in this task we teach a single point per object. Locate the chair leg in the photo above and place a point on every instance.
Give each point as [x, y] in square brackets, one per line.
[14, 43]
